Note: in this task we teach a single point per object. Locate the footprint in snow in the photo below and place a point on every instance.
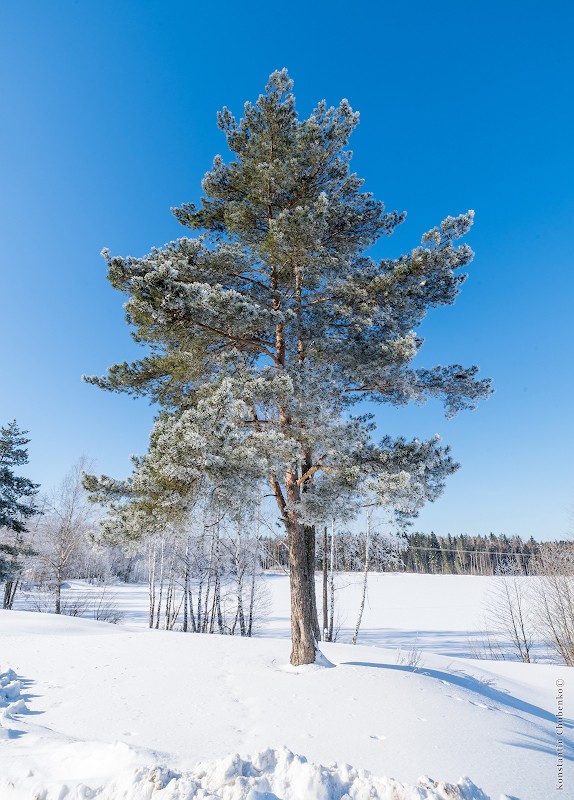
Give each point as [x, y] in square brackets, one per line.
[480, 705]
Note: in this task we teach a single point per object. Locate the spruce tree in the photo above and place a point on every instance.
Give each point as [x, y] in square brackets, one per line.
[16, 492]
[16, 503]
[264, 331]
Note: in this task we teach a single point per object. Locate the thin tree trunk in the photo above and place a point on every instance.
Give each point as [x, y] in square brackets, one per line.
[151, 578]
[170, 595]
[310, 552]
[207, 622]
[214, 604]
[58, 609]
[15, 585]
[239, 569]
[175, 610]
[217, 587]
[10, 593]
[194, 626]
[188, 594]
[206, 601]
[199, 604]
[161, 568]
[252, 591]
[332, 582]
[325, 576]
[365, 577]
[218, 605]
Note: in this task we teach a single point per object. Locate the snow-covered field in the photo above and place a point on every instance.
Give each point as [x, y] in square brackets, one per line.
[119, 712]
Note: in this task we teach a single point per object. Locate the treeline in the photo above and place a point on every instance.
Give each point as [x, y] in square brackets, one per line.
[420, 553]
[469, 555]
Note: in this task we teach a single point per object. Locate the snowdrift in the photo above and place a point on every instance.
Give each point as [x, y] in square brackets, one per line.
[268, 775]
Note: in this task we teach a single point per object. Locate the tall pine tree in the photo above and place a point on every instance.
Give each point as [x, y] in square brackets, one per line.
[268, 327]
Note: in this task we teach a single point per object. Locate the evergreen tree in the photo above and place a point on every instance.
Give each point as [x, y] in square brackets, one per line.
[16, 503]
[16, 492]
[267, 328]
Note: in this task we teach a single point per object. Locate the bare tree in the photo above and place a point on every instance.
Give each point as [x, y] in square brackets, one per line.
[555, 600]
[510, 611]
[368, 535]
[63, 530]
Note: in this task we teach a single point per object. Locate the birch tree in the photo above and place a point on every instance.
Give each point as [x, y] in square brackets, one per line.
[368, 534]
[63, 530]
[274, 322]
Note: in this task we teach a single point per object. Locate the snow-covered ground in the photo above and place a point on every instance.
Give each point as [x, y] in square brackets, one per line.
[119, 712]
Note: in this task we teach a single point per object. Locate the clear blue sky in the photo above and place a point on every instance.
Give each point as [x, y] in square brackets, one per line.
[108, 120]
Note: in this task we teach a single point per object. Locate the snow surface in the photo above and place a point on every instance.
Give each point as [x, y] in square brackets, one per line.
[92, 710]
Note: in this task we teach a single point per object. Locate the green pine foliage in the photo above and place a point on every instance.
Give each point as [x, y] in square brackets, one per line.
[16, 496]
[266, 329]
[16, 492]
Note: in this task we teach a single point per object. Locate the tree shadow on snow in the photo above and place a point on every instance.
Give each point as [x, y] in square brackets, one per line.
[502, 701]
[545, 742]
[454, 644]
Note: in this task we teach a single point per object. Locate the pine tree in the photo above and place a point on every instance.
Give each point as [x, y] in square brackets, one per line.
[16, 492]
[268, 327]
[16, 504]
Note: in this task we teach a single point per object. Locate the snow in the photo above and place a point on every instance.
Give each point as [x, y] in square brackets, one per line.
[119, 712]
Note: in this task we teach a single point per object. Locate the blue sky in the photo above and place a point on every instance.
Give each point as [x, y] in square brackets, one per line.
[108, 120]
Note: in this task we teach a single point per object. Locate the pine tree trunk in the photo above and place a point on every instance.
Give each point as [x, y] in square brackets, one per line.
[302, 586]
[302, 638]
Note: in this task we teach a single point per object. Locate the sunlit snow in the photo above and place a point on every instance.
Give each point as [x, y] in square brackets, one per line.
[93, 710]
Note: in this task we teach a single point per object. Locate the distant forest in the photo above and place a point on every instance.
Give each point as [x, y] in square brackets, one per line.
[421, 553]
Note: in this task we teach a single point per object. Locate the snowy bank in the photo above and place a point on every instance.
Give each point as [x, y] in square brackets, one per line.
[106, 707]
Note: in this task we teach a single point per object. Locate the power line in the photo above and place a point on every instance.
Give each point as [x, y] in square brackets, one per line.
[472, 552]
